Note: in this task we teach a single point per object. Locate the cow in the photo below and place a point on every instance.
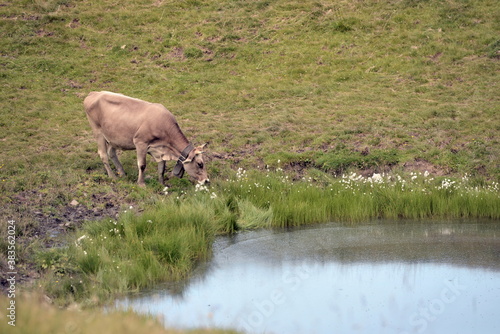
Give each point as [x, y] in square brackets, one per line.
[126, 123]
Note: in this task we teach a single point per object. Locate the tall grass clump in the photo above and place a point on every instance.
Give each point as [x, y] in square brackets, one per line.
[352, 197]
[133, 252]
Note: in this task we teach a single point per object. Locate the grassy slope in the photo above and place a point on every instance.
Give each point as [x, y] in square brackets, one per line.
[257, 78]
[332, 85]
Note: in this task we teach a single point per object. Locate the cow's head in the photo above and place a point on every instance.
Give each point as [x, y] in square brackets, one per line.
[195, 166]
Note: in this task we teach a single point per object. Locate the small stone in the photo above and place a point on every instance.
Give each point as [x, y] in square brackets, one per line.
[47, 299]
[74, 202]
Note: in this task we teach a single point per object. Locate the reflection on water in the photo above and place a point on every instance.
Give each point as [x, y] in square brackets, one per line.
[389, 277]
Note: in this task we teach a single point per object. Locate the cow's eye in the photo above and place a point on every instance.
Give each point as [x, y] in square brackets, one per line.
[200, 164]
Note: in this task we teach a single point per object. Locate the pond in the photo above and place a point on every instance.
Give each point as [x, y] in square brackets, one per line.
[379, 277]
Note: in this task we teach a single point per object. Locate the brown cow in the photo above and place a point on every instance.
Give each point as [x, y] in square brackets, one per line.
[122, 122]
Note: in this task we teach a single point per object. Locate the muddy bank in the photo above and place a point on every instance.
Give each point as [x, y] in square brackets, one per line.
[41, 225]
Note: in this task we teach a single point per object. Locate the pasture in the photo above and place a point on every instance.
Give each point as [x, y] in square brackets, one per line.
[293, 97]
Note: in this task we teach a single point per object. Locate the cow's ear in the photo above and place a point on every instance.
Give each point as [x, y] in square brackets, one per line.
[199, 149]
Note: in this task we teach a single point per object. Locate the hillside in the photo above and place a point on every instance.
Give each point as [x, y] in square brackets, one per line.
[339, 86]
[322, 82]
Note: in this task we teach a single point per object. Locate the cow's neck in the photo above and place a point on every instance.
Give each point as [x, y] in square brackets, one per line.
[179, 143]
[185, 152]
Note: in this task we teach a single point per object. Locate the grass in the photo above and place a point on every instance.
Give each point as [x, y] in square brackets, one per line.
[112, 257]
[318, 89]
[137, 251]
[35, 315]
[413, 79]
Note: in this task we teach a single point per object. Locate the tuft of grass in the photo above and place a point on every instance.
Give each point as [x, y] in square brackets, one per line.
[342, 160]
[132, 253]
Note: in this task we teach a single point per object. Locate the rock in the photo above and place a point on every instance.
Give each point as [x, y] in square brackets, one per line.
[74, 202]
[47, 299]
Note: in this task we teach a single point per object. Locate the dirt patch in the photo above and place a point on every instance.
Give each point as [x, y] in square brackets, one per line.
[75, 23]
[37, 225]
[420, 165]
[177, 54]
[64, 217]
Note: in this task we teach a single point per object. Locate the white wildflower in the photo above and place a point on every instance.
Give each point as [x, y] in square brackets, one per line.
[77, 242]
[201, 187]
[446, 184]
[376, 178]
[355, 177]
[241, 173]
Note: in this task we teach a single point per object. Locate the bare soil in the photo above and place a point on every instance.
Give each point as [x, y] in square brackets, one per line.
[36, 224]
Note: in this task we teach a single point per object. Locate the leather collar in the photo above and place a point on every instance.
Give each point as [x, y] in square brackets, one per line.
[179, 166]
[186, 151]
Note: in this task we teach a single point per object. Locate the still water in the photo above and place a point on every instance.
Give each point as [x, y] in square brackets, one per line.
[383, 277]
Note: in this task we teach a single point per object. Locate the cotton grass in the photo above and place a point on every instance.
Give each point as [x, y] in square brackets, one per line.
[137, 251]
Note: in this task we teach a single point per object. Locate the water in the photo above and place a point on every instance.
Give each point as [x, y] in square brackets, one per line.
[389, 277]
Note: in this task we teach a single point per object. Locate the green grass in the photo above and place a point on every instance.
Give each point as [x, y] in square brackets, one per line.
[35, 315]
[112, 257]
[318, 89]
[137, 251]
[320, 198]
[411, 78]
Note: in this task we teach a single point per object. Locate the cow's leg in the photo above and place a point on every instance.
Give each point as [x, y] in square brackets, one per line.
[112, 155]
[161, 171]
[142, 151]
[102, 150]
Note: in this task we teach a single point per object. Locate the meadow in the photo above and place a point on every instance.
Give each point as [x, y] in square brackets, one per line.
[314, 111]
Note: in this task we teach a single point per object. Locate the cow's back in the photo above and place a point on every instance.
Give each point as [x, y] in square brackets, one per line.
[105, 109]
[104, 103]
[121, 118]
